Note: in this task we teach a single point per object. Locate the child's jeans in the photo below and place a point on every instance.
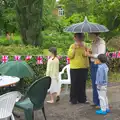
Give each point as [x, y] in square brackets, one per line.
[102, 93]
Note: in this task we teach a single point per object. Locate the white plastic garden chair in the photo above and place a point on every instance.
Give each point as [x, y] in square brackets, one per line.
[67, 81]
[7, 102]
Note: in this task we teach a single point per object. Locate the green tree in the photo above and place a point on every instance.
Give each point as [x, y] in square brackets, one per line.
[108, 13]
[105, 12]
[75, 6]
[7, 15]
[49, 19]
[29, 16]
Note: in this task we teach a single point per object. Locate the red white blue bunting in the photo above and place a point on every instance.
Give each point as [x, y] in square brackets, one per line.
[40, 59]
[28, 58]
[17, 58]
[4, 58]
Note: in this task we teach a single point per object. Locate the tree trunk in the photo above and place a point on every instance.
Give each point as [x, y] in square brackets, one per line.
[29, 15]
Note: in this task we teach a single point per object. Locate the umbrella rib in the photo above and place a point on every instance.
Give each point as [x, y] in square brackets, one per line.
[89, 27]
[76, 25]
[96, 27]
[104, 28]
[6, 71]
[67, 28]
[28, 68]
[82, 26]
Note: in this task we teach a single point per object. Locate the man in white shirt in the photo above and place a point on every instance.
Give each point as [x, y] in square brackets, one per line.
[98, 47]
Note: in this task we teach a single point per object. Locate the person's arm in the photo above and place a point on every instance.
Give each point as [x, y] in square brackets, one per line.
[57, 70]
[71, 51]
[100, 77]
[101, 50]
[48, 68]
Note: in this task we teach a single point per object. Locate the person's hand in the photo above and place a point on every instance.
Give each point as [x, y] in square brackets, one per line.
[90, 51]
[86, 53]
[96, 61]
[74, 46]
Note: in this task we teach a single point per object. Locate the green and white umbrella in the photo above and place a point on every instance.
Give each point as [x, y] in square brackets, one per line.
[16, 68]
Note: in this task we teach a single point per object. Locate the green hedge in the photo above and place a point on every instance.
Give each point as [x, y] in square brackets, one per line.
[40, 70]
[20, 50]
[114, 65]
[28, 50]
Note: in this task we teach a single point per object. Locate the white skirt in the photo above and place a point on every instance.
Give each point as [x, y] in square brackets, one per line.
[54, 88]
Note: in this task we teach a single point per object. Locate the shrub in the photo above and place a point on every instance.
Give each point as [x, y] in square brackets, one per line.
[20, 50]
[5, 42]
[41, 69]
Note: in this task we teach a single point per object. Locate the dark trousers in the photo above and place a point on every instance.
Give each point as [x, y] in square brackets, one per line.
[94, 68]
[78, 85]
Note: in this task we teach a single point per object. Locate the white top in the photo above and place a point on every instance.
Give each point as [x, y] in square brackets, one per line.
[98, 47]
[53, 72]
[53, 68]
[8, 80]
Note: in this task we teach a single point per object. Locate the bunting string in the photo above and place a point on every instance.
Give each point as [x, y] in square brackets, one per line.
[43, 59]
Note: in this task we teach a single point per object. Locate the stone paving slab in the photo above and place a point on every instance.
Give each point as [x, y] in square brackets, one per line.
[65, 111]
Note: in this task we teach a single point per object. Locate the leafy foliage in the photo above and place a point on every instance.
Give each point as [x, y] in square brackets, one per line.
[105, 12]
[20, 50]
[114, 43]
[29, 16]
[7, 16]
[75, 6]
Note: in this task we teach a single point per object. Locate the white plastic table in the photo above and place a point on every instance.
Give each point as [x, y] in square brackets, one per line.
[8, 80]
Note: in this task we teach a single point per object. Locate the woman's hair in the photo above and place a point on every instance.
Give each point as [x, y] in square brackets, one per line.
[97, 34]
[79, 36]
[53, 50]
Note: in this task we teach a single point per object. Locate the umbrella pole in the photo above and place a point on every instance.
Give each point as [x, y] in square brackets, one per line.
[19, 88]
[20, 85]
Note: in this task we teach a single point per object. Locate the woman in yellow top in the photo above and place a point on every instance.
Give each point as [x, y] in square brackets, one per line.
[79, 64]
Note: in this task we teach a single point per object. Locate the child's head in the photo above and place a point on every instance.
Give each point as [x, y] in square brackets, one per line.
[102, 58]
[53, 51]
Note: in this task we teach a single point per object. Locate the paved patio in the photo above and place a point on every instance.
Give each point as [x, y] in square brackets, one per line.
[66, 111]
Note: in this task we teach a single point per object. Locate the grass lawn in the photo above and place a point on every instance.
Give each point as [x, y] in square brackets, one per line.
[46, 52]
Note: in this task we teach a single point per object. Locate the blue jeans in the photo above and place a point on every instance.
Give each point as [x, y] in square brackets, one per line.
[94, 68]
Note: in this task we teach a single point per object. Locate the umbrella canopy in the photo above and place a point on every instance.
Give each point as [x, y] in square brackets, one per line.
[16, 68]
[86, 26]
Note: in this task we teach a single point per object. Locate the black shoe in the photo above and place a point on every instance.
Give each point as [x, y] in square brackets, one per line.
[57, 98]
[93, 105]
[84, 102]
[73, 103]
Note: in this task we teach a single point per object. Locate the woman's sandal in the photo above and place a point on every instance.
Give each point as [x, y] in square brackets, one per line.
[57, 99]
[50, 102]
